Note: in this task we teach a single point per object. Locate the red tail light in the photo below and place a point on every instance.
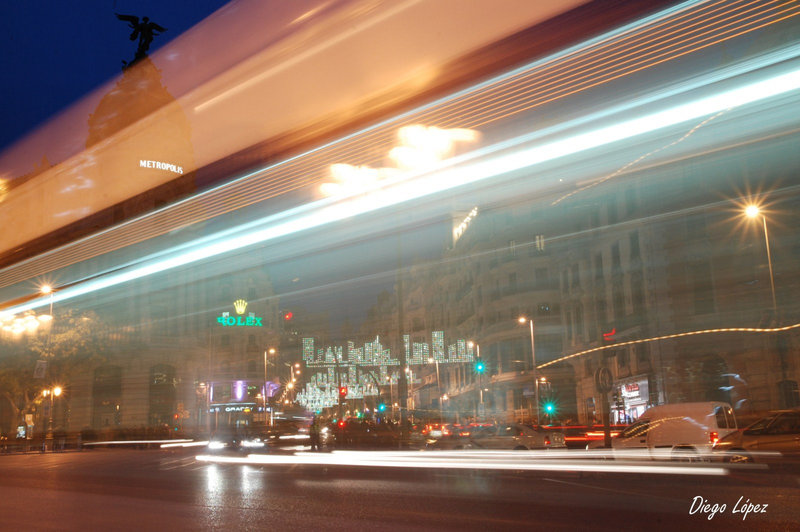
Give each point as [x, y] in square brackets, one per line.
[547, 441]
[713, 438]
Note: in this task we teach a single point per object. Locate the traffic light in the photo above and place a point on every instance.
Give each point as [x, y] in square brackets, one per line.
[342, 391]
[480, 367]
[550, 408]
[382, 407]
[285, 319]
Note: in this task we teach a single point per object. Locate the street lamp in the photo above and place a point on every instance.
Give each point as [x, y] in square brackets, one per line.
[51, 393]
[438, 389]
[391, 394]
[271, 351]
[479, 367]
[753, 211]
[523, 319]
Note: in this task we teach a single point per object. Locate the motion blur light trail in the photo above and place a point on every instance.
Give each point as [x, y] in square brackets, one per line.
[450, 174]
[669, 34]
[484, 460]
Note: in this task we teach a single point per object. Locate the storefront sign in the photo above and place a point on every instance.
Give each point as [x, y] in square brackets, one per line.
[240, 305]
[158, 165]
[630, 391]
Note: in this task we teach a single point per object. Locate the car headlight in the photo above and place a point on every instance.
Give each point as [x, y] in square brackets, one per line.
[213, 445]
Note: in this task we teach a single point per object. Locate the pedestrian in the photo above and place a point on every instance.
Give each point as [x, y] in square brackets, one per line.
[313, 432]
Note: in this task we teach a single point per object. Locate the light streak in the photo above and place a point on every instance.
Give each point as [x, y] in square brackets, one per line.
[639, 159]
[483, 460]
[671, 336]
[134, 442]
[186, 444]
[449, 175]
[468, 105]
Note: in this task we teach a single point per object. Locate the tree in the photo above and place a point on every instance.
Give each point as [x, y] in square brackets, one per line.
[74, 342]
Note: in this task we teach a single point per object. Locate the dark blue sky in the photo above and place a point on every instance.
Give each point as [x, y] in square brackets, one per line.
[56, 51]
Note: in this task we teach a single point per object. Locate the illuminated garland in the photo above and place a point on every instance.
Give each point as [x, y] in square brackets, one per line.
[670, 336]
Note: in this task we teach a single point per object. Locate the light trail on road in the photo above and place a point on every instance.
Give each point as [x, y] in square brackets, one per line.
[491, 460]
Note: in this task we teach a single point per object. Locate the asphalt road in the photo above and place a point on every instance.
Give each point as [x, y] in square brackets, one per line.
[171, 490]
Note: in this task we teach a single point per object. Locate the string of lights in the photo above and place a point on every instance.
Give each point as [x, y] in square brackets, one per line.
[760, 330]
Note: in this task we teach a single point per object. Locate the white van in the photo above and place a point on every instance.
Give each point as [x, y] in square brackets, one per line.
[680, 430]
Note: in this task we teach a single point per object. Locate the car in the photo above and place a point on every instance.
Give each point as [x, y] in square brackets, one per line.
[236, 441]
[366, 434]
[586, 436]
[516, 436]
[454, 436]
[684, 431]
[778, 432]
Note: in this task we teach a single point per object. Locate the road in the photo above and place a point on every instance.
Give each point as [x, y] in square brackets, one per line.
[119, 489]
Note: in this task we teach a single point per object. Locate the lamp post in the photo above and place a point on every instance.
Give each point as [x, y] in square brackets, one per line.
[479, 368]
[410, 380]
[391, 394]
[438, 389]
[523, 319]
[753, 211]
[271, 351]
[51, 393]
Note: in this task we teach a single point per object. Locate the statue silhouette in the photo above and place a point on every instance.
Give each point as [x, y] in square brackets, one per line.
[145, 30]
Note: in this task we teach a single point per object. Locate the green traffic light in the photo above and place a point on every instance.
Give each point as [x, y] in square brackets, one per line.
[549, 408]
[479, 367]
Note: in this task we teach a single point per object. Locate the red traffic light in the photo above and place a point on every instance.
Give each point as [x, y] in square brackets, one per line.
[287, 316]
[342, 391]
[341, 423]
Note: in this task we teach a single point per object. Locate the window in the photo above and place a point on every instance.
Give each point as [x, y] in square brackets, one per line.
[539, 242]
[541, 278]
[702, 287]
[719, 414]
[634, 245]
[512, 248]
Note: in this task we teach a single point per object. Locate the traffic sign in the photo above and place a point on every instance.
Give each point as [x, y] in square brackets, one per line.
[603, 380]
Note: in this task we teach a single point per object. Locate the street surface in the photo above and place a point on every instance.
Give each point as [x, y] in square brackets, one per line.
[125, 489]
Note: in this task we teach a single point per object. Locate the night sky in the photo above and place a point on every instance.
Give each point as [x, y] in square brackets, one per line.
[56, 51]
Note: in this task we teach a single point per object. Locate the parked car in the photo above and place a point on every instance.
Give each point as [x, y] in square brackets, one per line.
[515, 436]
[679, 430]
[777, 432]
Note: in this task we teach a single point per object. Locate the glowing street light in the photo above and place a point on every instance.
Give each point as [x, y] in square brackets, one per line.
[51, 393]
[754, 211]
[521, 320]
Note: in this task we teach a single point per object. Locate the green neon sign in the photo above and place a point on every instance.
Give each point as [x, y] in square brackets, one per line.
[240, 305]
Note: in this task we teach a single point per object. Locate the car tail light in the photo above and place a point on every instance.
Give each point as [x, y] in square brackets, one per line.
[713, 438]
[547, 441]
